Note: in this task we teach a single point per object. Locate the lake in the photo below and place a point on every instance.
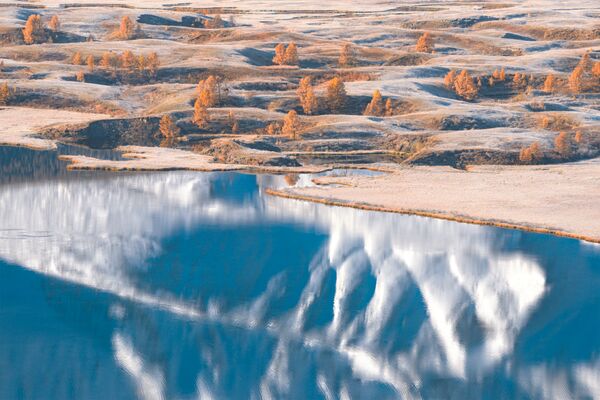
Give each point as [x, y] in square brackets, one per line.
[187, 285]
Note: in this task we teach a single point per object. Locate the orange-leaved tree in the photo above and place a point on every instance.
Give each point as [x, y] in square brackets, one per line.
[336, 95]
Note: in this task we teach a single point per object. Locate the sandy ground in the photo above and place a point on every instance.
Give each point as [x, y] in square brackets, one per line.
[559, 199]
[18, 124]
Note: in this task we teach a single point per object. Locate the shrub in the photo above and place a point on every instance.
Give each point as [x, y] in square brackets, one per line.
[531, 153]
[425, 43]
[168, 128]
[291, 125]
[34, 31]
[336, 95]
[563, 144]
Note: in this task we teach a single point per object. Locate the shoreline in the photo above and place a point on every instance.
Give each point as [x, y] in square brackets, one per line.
[432, 214]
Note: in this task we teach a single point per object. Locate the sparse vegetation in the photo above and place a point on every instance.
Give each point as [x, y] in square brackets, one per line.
[347, 58]
[531, 153]
[563, 143]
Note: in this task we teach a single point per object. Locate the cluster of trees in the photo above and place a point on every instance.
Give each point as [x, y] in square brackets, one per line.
[127, 60]
[425, 43]
[585, 76]
[5, 94]
[565, 144]
[378, 108]
[286, 55]
[34, 31]
[462, 84]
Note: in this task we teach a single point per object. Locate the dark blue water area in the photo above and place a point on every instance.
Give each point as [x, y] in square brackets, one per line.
[186, 285]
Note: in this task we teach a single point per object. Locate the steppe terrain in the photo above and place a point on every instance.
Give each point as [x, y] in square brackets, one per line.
[510, 137]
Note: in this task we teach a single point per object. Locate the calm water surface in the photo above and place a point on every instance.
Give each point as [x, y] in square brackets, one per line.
[189, 285]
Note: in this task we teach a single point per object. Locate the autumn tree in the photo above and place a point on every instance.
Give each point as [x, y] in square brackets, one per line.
[291, 125]
[127, 60]
[54, 23]
[105, 61]
[90, 61]
[126, 28]
[550, 84]
[5, 94]
[375, 107]
[201, 117]
[464, 86]
[207, 91]
[563, 144]
[578, 137]
[336, 94]
[425, 43]
[449, 79]
[291, 55]
[273, 128]
[279, 58]
[168, 128]
[76, 59]
[576, 79]
[499, 75]
[80, 76]
[140, 63]
[346, 58]
[596, 69]
[214, 23]
[306, 96]
[34, 31]
[152, 63]
[519, 80]
[389, 108]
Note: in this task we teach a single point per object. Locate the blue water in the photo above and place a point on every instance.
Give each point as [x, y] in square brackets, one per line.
[186, 285]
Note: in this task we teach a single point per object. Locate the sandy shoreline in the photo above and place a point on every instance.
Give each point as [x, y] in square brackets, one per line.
[562, 200]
